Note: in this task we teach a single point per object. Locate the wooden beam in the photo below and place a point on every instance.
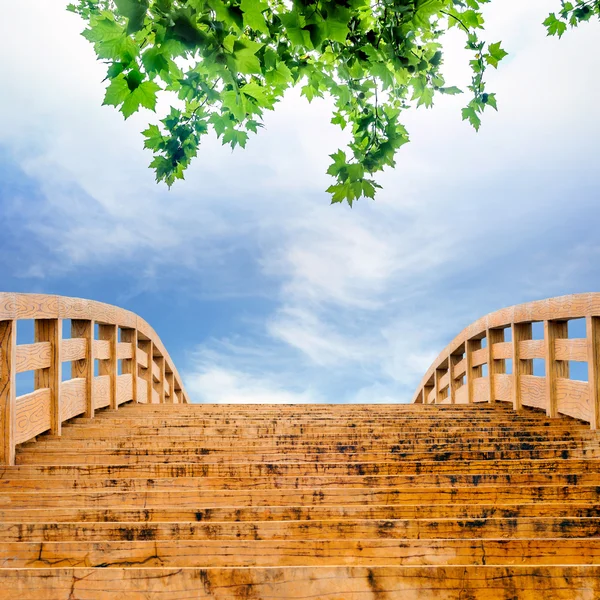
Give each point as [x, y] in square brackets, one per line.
[130, 365]
[50, 330]
[593, 344]
[472, 372]
[8, 359]
[520, 332]
[109, 366]
[146, 372]
[554, 330]
[495, 366]
[84, 368]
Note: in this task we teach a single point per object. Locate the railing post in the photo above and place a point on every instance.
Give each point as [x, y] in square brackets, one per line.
[452, 362]
[160, 363]
[170, 378]
[109, 366]
[8, 357]
[495, 367]
[50, 330]
[426, 391]
[85, 367]
[593, 344]
[471, 372]
[130, 365]
[554, 330]
[520, 332]
[146, 374]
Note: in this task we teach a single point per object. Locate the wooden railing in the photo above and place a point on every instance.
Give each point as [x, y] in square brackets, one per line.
[458, 374]
[120, 360]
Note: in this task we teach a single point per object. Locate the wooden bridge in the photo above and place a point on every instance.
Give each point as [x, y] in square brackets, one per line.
[115, 486]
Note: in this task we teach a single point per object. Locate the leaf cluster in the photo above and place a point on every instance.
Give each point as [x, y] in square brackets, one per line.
[229, 61]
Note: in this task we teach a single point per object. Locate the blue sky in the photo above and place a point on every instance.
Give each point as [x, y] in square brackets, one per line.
[259, 288]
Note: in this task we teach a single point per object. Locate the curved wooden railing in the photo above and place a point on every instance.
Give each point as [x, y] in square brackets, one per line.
[457, 375]
[121, 360]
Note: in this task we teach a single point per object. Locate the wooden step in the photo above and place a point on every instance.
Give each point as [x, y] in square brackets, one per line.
[286, 553]
[306, 582]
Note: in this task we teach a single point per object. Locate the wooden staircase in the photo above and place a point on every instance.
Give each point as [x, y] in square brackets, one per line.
[349, 502]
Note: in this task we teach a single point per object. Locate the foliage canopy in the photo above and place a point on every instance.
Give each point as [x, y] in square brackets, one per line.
[230, 60]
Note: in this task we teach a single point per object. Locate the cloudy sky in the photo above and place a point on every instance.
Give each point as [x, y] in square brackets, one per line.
[259, 288]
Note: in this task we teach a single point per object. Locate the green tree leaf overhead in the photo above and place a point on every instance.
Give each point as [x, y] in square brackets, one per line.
[228, 61]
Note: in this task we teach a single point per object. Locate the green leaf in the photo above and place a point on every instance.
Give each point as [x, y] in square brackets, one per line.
[134, 11]
[117, 91]
[495, 54]
[469, 113]
[253, 14]
[555, 26]
[154, 138]
[143, 96]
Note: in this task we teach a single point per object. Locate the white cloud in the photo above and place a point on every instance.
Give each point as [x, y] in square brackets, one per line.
[361, 299]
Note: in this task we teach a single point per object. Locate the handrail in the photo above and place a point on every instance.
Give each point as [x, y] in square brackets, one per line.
[122, 342]
[457, 374]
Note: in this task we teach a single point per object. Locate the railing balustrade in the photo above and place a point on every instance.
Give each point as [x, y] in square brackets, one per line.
[457, 375]
[120, 360]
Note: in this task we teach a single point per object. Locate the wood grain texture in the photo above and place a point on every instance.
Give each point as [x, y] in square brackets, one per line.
[33, 414]
[82, 334]
[102, 349]
[530, 349]
[107, 333]
[593, 359]
[33, 356]
[556, 349]
[74, 349]
[42, 306]
[73, 398]
[124, 388]
[481, 389]
[479, 357]
[533, 391]
[573, 398]
[8, 359]
[101, 391]
[503, 387]
[50, 331]
[571, 349]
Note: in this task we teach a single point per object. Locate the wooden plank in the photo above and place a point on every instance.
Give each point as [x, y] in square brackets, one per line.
[73, 398]
[8, 359]
[555, 369]
[142, 358]
[503, 350]
[101, 391]
[460, 368]
[504, 387]
[145, 348]
[593, 348]
[74, 349]
[573, 399]
[142, 391]
[472, 372]
[461, 395]
[481, 389]
[533, 391]
[102, 347]
[130, 363]
[124, 388]
[520, 333]
[156, 370]
[480, 357]
[530, 349]
[33, 356]
[170, 387]
[124, 351]
[159, 386]
[307, 583]
[108, 367]
[50, 330]
[571, 349]
[495, 366]
[33, 414]
[82, 332]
